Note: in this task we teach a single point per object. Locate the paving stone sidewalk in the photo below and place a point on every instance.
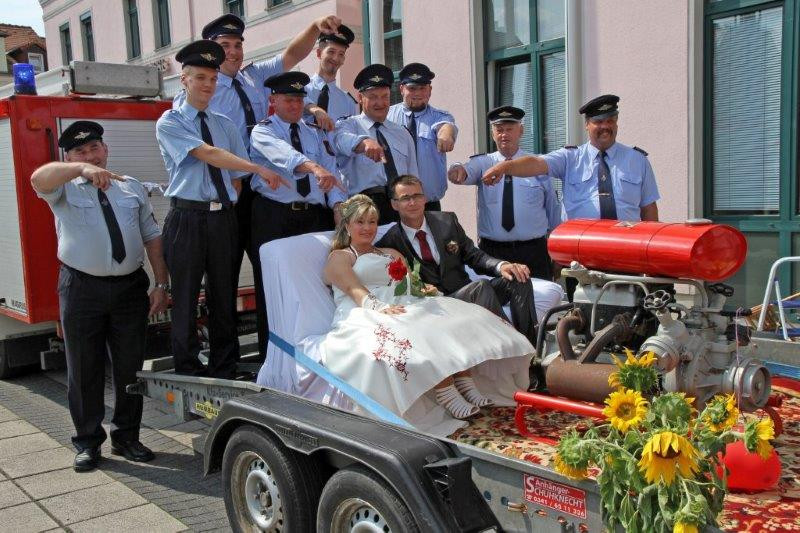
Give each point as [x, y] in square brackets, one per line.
[39, 491]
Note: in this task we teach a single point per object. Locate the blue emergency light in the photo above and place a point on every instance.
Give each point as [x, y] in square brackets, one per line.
[24, 80]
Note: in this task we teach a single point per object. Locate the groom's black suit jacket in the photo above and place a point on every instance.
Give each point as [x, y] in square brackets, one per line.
[455, 251]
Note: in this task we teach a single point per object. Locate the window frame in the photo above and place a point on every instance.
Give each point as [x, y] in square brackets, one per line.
[87, 37]
[41, 59]
[531, 53]
[391, 34]
[276, 4]
[66, 44]
[134, 52]
[226, 7]
[160, 22]
[786, 223]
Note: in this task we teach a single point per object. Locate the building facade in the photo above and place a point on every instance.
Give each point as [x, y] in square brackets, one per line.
[709, 87]
[20, 44]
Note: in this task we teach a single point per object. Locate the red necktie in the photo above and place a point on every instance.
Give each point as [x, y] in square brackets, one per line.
[424, 249]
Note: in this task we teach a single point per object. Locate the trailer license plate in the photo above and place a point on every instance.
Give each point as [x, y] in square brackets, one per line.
[556, 496]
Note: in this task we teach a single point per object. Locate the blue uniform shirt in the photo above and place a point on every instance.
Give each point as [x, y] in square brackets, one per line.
[271, 146]
[178, 133]
[226, 100]
[631, 176]
[340, 103]
[536, 208]
[360, 172]
[431, 162]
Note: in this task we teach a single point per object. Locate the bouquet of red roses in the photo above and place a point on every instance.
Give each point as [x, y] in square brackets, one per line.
[409, 282]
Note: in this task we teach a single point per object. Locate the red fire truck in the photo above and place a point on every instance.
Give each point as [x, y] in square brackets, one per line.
[29, 131]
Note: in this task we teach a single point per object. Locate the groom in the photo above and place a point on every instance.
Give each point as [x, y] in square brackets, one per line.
[438, 242]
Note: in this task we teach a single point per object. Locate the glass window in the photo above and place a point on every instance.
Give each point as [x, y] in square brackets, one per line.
[235, 7]
[507, 23]
[554, 101]
[88, 37]
[161, 15]
[750, 281]
[66, 44]
[746, 94]
[550, 20]
[132, 29]
[37, 60]
[392, 15]
[515, 84]
[274, 3]
[393, 53]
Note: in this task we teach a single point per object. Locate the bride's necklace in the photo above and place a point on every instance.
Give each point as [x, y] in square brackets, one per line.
[370, 250]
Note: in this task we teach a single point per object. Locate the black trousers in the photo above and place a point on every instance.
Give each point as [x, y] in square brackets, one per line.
[532, 253]
[103, 316]
[244, 205]
[275, 220]
[386, 214]
[494, 293]
[198, 243]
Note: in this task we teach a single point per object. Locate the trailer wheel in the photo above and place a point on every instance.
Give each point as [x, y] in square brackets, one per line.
[356, 500]
[268, 487]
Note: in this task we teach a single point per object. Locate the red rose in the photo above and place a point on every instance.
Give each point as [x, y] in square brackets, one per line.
[397, 269]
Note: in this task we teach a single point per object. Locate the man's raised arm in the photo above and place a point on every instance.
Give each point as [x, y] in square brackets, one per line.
[526, 166]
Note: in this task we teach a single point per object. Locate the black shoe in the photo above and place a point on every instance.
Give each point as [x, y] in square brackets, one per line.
[87, 459]
[132, 451]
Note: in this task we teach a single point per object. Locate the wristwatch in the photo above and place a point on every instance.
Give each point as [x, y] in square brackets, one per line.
[164, 286]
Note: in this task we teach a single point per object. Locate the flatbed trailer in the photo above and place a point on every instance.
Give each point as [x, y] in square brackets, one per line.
[290, 464]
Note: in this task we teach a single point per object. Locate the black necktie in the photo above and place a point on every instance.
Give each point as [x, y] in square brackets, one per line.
[412, 128]
[324, 97]
[605, 190]
[391, 170]
[507, 220]
[117, 244]
[249, 114]
[216, 173]
[303, 184]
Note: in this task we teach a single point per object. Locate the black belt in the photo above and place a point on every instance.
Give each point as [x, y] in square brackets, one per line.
[512, 244]
[123, 277]
[197, 206]
[376, 190]
[292, 206]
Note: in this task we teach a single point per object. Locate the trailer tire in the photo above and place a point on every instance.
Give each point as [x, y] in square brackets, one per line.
[357, 496]
[266, 486]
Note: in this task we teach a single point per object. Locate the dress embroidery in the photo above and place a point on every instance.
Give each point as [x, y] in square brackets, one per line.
[396, 353]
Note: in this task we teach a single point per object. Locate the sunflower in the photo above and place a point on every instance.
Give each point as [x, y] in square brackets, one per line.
[635, 373]
[683, 527]
[721, 413]
[625, 408]
[575, 472]
[757, 436]
[665, 454]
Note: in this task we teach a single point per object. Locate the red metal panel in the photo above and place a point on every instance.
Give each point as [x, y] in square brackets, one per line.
[709, 252]
[34, 132]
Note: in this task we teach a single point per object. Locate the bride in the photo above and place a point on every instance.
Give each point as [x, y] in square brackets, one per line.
[404, 351]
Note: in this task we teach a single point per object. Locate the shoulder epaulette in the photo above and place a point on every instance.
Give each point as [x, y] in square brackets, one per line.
[312, 124]
[328, 147]
[351, 97]
[265, 122]
[640, 150]
[343, 117]
[477, 155]
[247, 66]
[571, 147]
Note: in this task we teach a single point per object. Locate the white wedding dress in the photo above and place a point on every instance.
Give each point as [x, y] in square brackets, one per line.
[398, 359]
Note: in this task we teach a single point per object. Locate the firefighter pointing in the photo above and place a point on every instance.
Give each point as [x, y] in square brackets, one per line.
[105, 225]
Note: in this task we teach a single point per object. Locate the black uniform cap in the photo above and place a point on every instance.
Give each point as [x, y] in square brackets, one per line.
[416, 74]
[291, 82]
[343, 36]
[601, 107]
[203, 53]
[375, 75]
[79, 133]
[225, 25]
[505, 113]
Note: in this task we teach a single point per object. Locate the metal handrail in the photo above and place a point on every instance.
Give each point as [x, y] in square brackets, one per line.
[762, 317]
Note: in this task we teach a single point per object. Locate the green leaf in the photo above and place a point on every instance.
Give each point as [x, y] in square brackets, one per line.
[401, 288]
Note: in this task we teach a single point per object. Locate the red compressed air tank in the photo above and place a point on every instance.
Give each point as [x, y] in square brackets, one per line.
[695, 249]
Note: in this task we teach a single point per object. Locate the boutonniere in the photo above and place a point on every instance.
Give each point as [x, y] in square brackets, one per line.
[452, 247]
